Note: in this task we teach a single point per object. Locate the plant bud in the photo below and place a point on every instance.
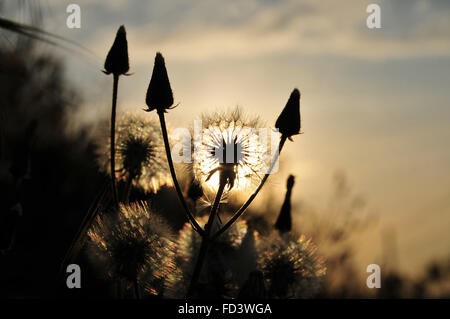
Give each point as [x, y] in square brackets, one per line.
[117, 58]
[288, 123]
[159, 93]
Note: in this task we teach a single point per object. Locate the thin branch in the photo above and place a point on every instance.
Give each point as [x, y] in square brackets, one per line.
[206, 240]
[113, 139]
[190, 217]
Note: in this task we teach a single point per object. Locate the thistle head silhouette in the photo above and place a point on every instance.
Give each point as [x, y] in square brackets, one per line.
[289, 123]
[159, 94]
[117, 59]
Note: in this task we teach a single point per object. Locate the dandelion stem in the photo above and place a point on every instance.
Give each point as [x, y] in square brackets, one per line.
[206, 241]
[113, 137]
[128, 189]
[252, 197]
[190, 217]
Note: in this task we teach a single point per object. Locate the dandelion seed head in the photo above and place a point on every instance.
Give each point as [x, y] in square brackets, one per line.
[291, 266]
[140, 154]
[132, 246]
[231, 149]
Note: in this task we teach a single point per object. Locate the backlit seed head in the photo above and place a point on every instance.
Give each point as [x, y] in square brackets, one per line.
[291, 266]
[132, 246]
[231, 151]
[140, 155]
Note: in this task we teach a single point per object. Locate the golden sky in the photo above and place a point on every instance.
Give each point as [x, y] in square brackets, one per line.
[374, 101]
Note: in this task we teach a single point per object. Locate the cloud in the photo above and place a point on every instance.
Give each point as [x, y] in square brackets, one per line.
[240, 30]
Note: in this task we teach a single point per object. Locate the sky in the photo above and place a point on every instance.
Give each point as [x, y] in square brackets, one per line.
[374, 101]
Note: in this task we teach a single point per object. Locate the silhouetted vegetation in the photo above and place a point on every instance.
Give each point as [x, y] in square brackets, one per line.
[118, 208]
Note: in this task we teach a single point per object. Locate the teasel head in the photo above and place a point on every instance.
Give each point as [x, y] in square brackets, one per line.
[159, 93]
[131, 247]
[230, 152]
[291, 266]
[117, 59]
[289, 121]
[140, 157]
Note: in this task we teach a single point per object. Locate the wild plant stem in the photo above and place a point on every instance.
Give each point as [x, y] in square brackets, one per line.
[252, 197]
[190, 217]
[113, 139]
[128, 189]
[206, 241]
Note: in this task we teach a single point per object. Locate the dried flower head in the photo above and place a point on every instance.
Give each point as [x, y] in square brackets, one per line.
[159, 93]
[217, 276]
[289, 122]
[117, 58]
[291, 267]
[140, 155]
[132, 246]
[230, 151]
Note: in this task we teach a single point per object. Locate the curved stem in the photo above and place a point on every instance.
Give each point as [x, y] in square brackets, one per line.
[252, 197]
[206, 241]
[190, 217]
[113, 139]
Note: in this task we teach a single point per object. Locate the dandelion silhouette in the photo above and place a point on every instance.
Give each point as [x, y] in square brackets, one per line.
[140, 156]
[230, 152]
[159, 97]
[290, 265]
[117, 64]
[132, 246]
[287, 123]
